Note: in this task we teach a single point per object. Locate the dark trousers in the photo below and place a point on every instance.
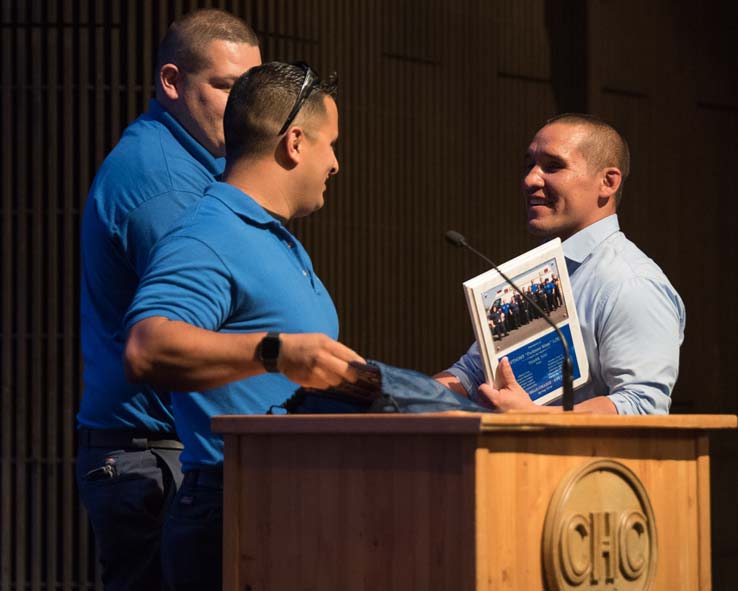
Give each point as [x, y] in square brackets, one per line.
[192, 551]
[126, 493]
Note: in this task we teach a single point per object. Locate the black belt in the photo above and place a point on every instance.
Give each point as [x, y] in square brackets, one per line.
[208, 477]
[128, 439]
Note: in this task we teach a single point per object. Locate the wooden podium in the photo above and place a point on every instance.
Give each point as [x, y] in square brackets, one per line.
[458, 501]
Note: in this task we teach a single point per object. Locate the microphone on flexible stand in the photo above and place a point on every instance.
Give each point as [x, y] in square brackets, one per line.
[457, 239]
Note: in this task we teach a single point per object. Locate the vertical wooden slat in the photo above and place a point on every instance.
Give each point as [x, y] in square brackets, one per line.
[113, 50]
[21, 284]
[9, 216]
[35, 456]
[179, 10]
[164, 20]
[82, 118]
[146, 58]
[99, 80]
[100, 117]
[72, 538]
[52, 214]
[131, 53]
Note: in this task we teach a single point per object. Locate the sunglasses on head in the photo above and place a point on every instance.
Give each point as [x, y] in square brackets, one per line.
[308, 83]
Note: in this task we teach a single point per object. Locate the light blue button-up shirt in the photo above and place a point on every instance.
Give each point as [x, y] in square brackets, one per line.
[632, 323]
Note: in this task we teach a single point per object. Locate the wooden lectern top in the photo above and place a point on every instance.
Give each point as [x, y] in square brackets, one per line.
[459, 422]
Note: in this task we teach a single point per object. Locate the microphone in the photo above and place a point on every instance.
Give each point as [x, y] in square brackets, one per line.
[457, 239]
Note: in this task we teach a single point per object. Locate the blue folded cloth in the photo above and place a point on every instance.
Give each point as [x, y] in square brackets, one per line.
[381, 388]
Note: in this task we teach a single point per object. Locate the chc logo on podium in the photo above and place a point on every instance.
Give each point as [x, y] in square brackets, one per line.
[599, 533]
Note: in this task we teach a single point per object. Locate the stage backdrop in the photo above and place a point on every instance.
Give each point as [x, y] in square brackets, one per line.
[438, 100]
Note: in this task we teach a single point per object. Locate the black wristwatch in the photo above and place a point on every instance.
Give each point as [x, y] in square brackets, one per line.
[268, 351]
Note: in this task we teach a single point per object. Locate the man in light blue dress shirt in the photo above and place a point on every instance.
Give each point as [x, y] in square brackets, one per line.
[632, 318]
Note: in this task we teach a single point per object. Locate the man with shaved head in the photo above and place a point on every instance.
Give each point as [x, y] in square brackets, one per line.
[632, 318]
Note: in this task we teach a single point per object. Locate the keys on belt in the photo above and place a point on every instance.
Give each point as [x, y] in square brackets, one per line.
[107, 471]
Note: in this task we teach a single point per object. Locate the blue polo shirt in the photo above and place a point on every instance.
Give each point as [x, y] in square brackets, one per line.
[154, 172]
[229, 266]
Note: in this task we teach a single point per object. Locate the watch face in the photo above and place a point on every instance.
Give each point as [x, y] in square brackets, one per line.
[269, 351]
[270, 347]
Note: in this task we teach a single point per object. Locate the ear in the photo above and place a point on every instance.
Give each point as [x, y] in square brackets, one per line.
[610, 182]
[170, 77]
[294, 143]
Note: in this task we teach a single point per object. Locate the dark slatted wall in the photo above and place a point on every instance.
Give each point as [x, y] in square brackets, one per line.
[438, 100]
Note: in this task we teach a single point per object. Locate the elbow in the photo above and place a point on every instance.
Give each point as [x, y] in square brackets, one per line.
[136, 363]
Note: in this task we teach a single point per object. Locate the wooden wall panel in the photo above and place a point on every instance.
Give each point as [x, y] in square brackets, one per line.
[438, 101]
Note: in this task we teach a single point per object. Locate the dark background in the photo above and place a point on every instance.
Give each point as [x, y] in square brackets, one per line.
[438, 100]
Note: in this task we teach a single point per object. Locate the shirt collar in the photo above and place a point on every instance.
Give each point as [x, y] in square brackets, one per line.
[158, 113]
[579, 246]
[242, 205]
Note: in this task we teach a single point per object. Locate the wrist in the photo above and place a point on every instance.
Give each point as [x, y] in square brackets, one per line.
[268, 351]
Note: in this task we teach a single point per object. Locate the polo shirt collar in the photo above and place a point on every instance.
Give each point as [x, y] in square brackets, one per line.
[242, 204]
[583, 243]
[158, 113]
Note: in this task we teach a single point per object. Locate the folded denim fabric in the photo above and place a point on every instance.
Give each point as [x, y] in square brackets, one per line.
[381, 388]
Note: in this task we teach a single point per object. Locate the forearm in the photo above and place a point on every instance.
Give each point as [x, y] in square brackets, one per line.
[599, 405]
[179, 356]
[451, 382]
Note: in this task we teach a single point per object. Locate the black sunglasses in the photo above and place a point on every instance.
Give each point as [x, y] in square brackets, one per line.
[308, 83]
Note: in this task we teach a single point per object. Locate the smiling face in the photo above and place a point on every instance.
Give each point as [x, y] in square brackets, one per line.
[201, 96]
[563, 193]
[319, 161]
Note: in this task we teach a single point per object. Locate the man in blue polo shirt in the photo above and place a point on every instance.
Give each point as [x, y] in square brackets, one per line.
[127, 462]
[631, 316]
[230, 311]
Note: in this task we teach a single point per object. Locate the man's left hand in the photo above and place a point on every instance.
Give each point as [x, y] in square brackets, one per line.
[509, 396]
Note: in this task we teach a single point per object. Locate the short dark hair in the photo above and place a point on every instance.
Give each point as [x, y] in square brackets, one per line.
[604, 146]
[187, 39]
[259, 103]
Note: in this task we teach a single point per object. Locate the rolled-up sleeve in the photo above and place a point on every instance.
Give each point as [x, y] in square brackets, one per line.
[469, 371]
[639, 331]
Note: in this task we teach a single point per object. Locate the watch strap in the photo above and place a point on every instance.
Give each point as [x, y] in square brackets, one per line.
[268, 351]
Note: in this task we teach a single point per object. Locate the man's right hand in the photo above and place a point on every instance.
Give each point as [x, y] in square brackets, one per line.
[314, 360]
